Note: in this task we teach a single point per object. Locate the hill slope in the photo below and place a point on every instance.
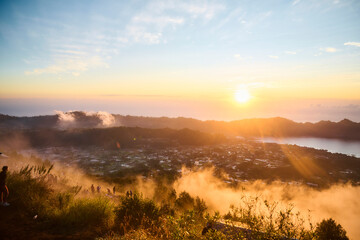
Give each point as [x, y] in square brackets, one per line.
[268, 127]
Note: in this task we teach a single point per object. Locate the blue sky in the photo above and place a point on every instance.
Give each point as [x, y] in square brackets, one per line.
[301, 51]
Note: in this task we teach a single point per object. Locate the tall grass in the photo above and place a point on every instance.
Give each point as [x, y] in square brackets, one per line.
[182, 217]
[59, 211]
[29, 191]
[83, 213]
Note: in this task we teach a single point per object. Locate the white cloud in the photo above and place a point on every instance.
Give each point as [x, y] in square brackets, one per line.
[148, 28]
[273, 57]
[205, 10]
[196, 9]
[237, 56]
[295, 2]
[91, 48]
[65, 116]
[150, 25]
[74, 66]
[290, 52]
[141, 35]
[69, 52]
[158, 20]
[329, 49]
[356, 44]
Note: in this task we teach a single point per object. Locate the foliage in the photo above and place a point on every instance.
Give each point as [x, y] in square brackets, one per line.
[59, 211]
[330, 230]
[29, 190]
[265, 220]
[136, 217]
[83, 213]
[184, 201]
[136, 211]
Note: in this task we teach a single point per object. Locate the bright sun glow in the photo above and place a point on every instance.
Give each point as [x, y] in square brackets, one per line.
[242, 95]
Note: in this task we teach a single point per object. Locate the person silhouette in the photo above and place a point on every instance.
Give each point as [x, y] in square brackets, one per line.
[4, 191]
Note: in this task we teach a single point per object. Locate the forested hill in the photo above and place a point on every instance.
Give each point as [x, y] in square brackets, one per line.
[270, 127]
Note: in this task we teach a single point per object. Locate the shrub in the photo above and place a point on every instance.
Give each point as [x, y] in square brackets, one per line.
[329, 230]
[136, 211]
[265, 220]
[83, 213]
[184, 201]
[29, 193]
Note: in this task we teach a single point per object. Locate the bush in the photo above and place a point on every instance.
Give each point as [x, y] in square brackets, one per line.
[84, 213]
[265, 220]
[329, 230]
[29, 191]
[59, 211]
[136, 211]
[184, 201]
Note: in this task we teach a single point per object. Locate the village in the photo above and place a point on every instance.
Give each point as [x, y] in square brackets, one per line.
[240, 160]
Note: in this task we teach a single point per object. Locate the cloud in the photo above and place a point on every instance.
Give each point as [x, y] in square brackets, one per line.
[72, 119]
[237, 56]
[206, 10]
[74, 50]
[290, 52]
[149, 25]
[106, 118]
[356, 44]
[69, 65]
[195, 9]
[69, 52]
[140, 35]
[329, 49]
[65, 116]
[295, 2]
[273, 57]
[159, 20]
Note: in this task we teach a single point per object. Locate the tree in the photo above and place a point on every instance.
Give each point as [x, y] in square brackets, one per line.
[330, 230]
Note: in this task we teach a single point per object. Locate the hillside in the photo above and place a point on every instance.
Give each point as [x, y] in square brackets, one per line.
[267, 127]
[45, 208]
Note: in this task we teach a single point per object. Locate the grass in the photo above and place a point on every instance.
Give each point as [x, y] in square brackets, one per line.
[179, 217]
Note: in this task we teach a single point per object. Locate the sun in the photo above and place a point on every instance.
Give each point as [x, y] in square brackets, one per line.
[242, 95]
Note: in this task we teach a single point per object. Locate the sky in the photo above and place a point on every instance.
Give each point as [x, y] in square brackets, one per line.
[298, 59]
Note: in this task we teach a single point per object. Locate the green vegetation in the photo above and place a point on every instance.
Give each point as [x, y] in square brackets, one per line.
[330, 230]
[63, 212]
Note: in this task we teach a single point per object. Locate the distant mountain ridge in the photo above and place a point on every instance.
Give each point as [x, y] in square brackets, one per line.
[257, 127]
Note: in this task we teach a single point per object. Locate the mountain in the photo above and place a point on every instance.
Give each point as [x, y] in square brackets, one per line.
[266, 127]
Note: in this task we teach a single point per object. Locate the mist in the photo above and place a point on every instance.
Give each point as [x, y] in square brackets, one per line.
[340, 201]
[73, 119]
